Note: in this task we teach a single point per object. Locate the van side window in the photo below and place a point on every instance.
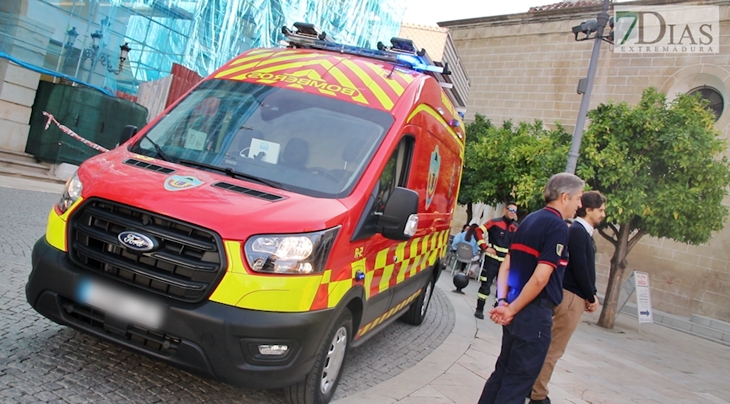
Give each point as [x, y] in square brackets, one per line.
[395, 173]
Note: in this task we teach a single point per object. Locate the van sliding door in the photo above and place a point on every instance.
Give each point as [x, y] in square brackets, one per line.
[385, 270]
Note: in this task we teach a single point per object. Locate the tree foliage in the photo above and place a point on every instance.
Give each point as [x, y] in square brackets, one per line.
[511, 162]
[661, 168]
[475, 131]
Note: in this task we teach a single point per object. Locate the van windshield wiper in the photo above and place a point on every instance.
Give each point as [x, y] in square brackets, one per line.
[233, 174]
[158, 149]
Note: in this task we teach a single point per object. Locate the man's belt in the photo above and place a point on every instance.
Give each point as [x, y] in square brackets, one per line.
[544, 302]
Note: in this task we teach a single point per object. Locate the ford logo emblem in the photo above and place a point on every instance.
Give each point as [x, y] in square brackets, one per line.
[137, 241]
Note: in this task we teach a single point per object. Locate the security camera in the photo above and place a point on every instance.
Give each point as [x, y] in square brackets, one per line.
[589, 26]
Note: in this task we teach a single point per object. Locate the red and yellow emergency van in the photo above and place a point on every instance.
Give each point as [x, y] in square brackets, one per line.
[290, 206]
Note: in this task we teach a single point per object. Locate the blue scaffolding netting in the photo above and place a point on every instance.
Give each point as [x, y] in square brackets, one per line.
[81, 40]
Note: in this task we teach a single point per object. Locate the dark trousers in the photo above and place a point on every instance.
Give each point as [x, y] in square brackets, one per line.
[487, 277]
[525, 342]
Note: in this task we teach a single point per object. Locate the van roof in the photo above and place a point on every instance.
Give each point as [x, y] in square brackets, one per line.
[369, 82]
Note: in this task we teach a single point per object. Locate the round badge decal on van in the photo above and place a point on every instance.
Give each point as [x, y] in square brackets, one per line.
[433, 175]
[137, 241]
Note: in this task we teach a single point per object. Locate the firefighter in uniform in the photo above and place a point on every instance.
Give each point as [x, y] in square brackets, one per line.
[529, 286]
[495, 237]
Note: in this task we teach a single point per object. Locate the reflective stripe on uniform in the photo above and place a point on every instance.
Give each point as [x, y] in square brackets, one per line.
[495, 257]
[501, 249]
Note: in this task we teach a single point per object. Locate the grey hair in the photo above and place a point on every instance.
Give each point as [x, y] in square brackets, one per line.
[562, 183]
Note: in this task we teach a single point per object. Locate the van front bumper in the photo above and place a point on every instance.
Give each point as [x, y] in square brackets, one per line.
[210, 338]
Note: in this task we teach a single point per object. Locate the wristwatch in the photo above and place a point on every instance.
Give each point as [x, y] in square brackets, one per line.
[496, 303]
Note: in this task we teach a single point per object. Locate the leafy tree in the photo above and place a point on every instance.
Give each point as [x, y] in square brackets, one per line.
[514, 163]
[661, 168]
[475, 131]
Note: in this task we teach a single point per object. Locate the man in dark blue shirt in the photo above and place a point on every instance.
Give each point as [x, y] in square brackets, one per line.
[529, 286]
[579, 287]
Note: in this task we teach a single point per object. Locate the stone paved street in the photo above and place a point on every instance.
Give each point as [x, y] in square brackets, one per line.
[41, 361]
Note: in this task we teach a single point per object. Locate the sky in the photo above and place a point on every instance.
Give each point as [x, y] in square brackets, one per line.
[429, 12]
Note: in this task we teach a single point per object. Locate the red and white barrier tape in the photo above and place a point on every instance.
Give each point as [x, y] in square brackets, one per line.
[73, 134]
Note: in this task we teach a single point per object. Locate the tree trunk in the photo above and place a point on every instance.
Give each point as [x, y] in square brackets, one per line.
[469, 212]
[618, 265]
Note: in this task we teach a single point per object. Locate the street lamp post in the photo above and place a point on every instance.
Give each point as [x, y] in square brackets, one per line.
[587, 27]
[96, 53]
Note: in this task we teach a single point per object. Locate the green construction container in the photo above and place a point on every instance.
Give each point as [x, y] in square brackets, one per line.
[91, 114]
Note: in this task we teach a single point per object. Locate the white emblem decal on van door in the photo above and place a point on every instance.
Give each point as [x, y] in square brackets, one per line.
[433, 175]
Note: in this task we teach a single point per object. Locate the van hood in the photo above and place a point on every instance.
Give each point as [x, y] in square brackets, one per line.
[188, 194]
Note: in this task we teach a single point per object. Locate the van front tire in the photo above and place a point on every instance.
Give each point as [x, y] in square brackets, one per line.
[322, 380]
[417, 310]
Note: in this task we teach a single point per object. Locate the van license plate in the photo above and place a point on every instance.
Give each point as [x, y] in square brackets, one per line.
[120, 304]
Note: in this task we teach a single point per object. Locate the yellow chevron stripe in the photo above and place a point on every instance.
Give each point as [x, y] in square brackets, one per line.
[326, 277]
[295, 56]
[235, 70]
[253, 55]
[336, 291]
[259, 62]
[344, 81]
[389, 81]
[404, 267]
[300, 65]
[385, 101]
[400, 251]
[385, 280]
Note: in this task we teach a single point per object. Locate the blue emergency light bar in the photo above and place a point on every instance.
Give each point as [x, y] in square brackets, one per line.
[402, 52]
[419, 63]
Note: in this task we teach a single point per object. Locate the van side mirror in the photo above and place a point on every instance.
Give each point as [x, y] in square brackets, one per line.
[399, 220]
[127, 133]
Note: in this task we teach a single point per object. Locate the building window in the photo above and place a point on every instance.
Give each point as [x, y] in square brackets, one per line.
[716, 102]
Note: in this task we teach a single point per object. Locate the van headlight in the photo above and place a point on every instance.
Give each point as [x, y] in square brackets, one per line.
[304, 253]
[71, 193]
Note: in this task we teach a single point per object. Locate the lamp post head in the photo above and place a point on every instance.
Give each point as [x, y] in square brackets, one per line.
[71, 36]
[123, 52]
[96, 38]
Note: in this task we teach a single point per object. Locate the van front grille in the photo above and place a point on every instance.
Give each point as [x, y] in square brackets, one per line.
[187, 264]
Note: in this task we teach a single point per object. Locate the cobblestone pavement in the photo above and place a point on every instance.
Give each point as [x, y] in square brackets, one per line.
[41, 361]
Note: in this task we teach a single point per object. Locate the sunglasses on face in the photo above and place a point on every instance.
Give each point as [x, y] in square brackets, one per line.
[512, 210]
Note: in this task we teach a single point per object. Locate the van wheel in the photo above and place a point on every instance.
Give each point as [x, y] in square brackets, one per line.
[417, 310]
[322, 380]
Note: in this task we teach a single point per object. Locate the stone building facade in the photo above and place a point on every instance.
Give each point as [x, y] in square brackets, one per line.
[524, 67]
[440, 47]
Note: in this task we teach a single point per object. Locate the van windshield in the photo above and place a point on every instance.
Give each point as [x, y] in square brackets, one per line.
[314, 145]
